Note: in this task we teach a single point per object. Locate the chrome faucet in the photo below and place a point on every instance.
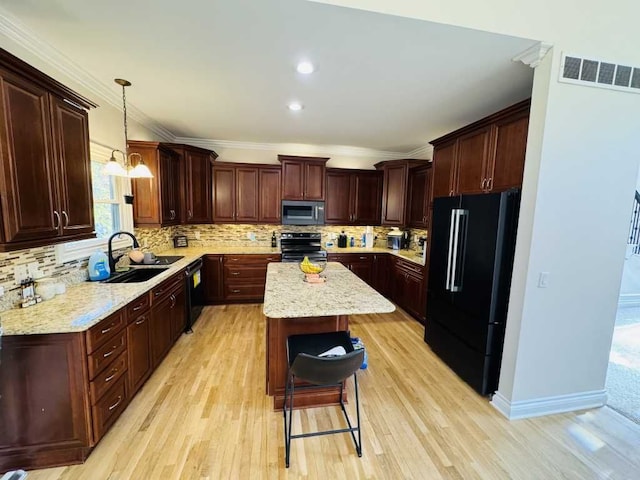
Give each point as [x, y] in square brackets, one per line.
[113, 261]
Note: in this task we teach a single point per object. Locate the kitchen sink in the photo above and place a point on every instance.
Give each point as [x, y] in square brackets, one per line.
[135, 276]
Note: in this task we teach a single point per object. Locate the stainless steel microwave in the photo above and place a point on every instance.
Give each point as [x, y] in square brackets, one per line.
[296, 212]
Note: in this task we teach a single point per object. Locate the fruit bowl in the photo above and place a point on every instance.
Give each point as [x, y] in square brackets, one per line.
[315, 267]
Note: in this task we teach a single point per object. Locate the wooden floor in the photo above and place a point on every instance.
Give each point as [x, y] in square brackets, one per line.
[204, 415]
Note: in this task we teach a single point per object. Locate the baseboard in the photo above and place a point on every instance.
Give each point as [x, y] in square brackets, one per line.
[549, 405]
[629, 300]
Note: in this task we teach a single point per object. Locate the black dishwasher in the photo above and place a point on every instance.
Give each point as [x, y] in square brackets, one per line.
[195, 293]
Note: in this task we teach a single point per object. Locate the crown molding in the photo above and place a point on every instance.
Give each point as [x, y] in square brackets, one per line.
[293, 148]
[15, 31]
[532, 56]
[425, 151]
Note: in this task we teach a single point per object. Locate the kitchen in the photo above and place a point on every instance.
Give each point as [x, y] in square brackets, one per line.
[216, 150]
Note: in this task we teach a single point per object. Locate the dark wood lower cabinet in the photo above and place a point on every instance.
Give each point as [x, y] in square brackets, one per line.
[213, 279]
[360, 264]
[244, 276]
[44, 405]
[60, 393]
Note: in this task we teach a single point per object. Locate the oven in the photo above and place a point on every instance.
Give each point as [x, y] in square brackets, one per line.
[297, 245]
[195, 293]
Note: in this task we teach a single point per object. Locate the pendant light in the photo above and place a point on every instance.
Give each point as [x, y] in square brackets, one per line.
[113, 167]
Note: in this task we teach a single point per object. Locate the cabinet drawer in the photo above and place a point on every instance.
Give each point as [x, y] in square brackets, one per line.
[138, 306]
[106, 410]
[108, 377]
[410, 267]
[162, 290]
[245, 273]
[104, 330]
[254, 260]
[104, 355]
[244, 292]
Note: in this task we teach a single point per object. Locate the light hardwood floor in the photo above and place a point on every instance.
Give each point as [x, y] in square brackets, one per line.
[204, 415]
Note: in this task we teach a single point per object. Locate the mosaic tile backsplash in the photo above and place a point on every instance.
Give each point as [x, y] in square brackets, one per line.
[159, 239]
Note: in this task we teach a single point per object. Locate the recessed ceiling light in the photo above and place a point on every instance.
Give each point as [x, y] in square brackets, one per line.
[295, 106]
[305, 68]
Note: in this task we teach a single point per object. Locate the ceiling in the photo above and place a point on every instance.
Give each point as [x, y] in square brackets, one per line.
[225, 69]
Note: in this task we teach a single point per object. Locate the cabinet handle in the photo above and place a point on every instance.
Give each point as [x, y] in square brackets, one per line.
[173, 300]
[110, 377]
[141, 321]
[158, 293]
[451, 193]
[190, 215]
[117, 403]
[57, 215]
[235, 291]
[108, 354]
[483, 183]
[66, 218]
[363, 258]
[135, 309]
[235, 273]
[490, 183]
[107, 329]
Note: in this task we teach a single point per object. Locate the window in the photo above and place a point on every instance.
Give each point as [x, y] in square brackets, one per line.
[109, 210]
[106, 207]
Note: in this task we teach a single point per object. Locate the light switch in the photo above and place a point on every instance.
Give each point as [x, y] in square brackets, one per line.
[543, 280]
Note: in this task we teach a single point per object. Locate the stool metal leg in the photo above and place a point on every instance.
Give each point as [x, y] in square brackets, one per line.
[351, 429]
[289, 390]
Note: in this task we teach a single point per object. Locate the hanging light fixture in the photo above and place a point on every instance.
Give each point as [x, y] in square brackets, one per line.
[113, 167]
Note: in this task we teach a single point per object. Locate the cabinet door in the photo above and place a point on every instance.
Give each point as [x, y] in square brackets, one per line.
[178, 313]
[366, 195]
[198, 188]
[314, 174]
[444, 170]
[29, 205]
[224, 194]
[507, 166]
[71, 137]
[270, 204]
[169, 188]
[139, 352]
[246, 194]
[414, 296]
[337, 208]
[362, 266]
[419, 197]
[44, 402]
[213, 279]
[161, 324]
[394, 195]
[380, 274]
[472, 158]
[292, 180]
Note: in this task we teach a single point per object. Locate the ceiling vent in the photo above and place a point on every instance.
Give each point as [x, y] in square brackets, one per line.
[595, 73]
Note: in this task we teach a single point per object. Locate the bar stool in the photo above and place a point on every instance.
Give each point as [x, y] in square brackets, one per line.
[321, 371]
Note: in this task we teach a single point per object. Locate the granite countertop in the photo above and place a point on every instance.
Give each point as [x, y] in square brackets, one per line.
[287, 295]
[411, 255]
[85, 304]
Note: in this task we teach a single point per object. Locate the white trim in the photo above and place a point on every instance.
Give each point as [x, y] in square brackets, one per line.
[548, 405]
[425, 151]
[533, 55]
[299, 148]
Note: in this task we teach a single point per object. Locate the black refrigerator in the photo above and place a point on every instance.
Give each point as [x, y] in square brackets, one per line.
[471, 260]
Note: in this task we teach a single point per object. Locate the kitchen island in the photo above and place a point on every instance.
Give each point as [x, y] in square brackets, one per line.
[293, 306]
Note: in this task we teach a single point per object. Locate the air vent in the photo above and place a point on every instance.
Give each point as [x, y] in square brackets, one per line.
[595, 73]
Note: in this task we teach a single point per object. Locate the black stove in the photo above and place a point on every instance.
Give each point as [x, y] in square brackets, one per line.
[297, 245]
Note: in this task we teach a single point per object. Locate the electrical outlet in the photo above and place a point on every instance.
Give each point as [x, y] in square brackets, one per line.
[197, 235]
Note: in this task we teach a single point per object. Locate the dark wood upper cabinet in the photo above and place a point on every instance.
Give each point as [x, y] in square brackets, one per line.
[156, 201]
[196, 205]
[486, 156]
[394, 194]
[419, 199]
[247, 196]
[269, 205]
[353, 197]
[45, 183]
[181, 190]
[303, 177]
[246, 193]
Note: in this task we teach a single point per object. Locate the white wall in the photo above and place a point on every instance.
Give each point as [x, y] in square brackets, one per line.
[581, 168]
